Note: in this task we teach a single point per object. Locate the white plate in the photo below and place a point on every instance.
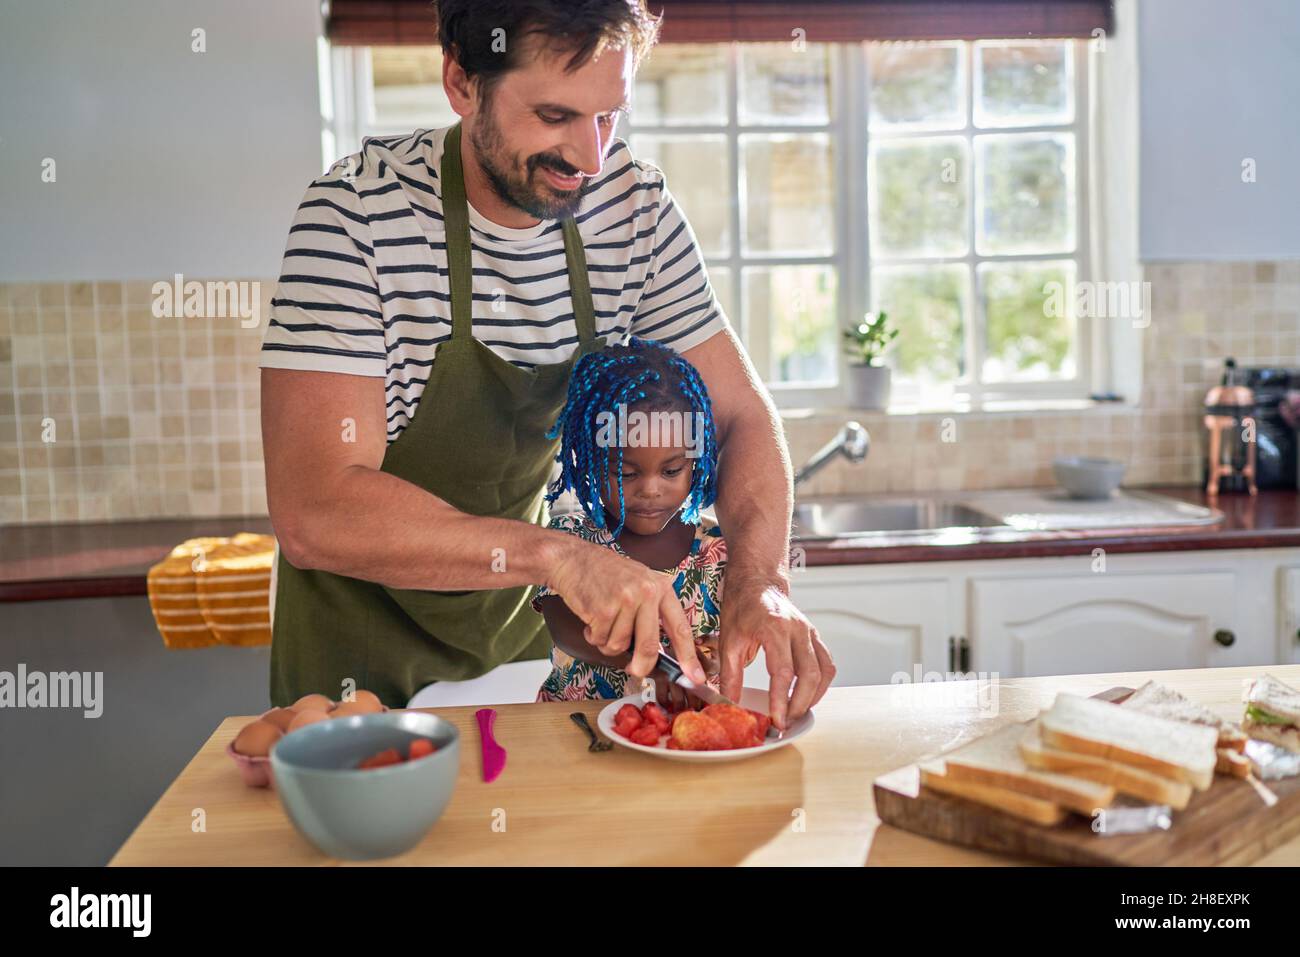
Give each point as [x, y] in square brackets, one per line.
[754, 698]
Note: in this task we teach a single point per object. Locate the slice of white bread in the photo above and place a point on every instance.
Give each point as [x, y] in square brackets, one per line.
[1232, 762]
[1165, 702]
[1125, 778]
[1032, 809]
[995, 759]
[1284, 736]
[1184, 752]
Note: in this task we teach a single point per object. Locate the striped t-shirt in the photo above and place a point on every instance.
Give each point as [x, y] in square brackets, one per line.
[364, 288]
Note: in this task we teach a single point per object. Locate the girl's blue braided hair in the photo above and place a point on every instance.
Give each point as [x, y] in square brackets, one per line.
[645, 373]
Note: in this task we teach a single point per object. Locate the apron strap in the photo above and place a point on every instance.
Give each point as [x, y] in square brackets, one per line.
[584, 312]
[455, 211]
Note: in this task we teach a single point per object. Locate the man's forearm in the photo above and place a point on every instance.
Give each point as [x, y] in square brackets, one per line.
[755, 497]
[377, 527]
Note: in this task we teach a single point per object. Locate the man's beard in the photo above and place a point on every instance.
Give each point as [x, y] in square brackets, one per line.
[529, 192]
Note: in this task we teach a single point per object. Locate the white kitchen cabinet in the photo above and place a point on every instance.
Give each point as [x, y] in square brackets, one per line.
[1111, 621]
[1043, 616]
[1289, 614]
[874, 625]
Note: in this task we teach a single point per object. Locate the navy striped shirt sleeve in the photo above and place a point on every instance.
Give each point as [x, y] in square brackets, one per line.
[326, 314]
[678, 306]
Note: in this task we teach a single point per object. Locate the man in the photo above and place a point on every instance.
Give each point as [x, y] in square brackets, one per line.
[406, 458]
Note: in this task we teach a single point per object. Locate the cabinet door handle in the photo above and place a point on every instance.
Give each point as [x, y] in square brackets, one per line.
[963, 654]
[1297, 636]
[1225, 637]
[952, 653]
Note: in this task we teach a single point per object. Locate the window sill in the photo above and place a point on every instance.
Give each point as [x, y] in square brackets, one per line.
[1004, 407]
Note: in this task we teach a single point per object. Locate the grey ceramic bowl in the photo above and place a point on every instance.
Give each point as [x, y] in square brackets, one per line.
[1085, 477]
[361, 815]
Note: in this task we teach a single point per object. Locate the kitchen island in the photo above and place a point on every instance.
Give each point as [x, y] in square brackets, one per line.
[556, 803]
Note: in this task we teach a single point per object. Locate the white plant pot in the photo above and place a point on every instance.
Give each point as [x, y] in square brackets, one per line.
[869, 387]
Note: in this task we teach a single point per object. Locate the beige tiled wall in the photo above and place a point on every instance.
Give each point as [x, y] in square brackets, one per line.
[1200, 314]
[159, 417]
[107, 412]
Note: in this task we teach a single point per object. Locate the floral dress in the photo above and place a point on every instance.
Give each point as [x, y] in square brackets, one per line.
[698, 584]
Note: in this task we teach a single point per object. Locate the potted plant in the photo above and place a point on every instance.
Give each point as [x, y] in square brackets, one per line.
[865, 345]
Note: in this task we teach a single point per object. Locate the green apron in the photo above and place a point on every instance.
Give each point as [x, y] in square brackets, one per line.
[477, 442]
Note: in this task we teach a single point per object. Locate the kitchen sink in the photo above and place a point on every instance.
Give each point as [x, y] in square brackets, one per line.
[830, 519]
[986, 514]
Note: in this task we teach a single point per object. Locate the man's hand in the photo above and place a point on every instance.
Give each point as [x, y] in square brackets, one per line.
[623, 603]
[762, 615]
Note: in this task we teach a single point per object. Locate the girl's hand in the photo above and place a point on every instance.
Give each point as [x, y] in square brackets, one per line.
[673, 697]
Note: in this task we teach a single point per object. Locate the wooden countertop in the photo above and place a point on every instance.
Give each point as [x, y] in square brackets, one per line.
[807, 804]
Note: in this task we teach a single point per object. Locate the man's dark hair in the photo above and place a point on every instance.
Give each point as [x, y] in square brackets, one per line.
[468, 31]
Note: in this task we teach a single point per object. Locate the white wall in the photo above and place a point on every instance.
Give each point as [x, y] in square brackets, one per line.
[166, 160]
[1220, 82]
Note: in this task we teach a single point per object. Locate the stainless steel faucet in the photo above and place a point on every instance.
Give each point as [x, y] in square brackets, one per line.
[852, 442]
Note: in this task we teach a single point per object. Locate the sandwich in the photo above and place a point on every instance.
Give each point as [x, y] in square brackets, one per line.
[1124, 778]
[1164, 702]
[1273, 713]
[995, 761]
[1171, 749]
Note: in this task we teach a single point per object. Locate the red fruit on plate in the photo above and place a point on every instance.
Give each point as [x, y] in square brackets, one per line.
[696, 731]
[673, 745]
[647, 734]
[764, 722]
[739, 723]
[422, 748]
[657, 716]
[627, 713]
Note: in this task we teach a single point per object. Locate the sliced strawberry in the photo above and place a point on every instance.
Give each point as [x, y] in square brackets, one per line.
[647, 734]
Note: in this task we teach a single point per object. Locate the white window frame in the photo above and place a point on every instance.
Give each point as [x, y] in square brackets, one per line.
[847, 129]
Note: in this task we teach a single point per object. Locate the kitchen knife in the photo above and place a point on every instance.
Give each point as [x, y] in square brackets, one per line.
[669, 666]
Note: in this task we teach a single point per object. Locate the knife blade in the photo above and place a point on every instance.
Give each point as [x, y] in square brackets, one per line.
[669, 666]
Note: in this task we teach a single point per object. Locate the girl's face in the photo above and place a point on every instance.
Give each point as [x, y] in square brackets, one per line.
[656, 481]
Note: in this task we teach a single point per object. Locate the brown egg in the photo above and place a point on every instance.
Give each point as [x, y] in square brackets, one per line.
[312, 702]
[256, 739]
[349, 708]
[367, 699]
[280, 717]
[306, 717]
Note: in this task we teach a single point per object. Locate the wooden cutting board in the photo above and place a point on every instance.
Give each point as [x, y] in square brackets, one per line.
[1227, 824]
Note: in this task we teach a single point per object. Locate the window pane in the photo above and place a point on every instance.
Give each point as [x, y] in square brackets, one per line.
[408, 88]
[917, 85]
[720, 280]
[787, 183]
[796, 305]
[1023, 84]
[682, 84]
[779, 84]
[918, 197]
[1031, 327]
[1026, 195]
[928, 305]
[699, 177]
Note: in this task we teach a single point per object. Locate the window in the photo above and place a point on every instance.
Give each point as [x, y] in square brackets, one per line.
[975, 156]
[746, 138]
[943, 182]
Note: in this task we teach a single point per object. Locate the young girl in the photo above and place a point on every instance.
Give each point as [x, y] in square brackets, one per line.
[641, 494]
